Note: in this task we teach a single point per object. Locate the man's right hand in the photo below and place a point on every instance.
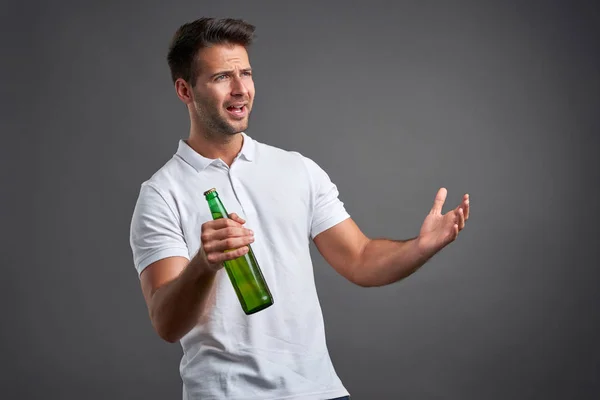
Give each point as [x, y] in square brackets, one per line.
[224, 239]
[176, 291]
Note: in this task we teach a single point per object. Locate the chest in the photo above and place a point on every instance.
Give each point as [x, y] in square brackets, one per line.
[276, 204]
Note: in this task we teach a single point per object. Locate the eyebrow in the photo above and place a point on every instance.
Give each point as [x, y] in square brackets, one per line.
[229, 72]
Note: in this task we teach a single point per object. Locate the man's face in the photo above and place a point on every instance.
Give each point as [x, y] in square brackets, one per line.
[224, 90]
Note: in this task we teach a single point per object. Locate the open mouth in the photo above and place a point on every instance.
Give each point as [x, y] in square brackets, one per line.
[238, 110]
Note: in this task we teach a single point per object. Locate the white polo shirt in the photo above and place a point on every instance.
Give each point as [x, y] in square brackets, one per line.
[286, 199]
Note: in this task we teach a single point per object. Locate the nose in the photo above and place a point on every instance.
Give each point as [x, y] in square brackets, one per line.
[238, 88]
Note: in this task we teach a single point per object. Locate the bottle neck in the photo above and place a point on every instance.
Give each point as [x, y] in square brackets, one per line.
[217, 209]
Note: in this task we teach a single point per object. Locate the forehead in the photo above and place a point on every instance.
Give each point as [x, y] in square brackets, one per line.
[222, 57]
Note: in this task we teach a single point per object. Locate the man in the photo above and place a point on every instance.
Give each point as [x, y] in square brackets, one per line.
[279, 200]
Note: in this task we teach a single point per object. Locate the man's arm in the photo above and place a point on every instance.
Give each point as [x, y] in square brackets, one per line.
[377, 262]
[364, 261]
[176, 291]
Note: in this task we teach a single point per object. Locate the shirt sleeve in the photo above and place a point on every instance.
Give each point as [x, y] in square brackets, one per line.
[155, 231]
[328, 210]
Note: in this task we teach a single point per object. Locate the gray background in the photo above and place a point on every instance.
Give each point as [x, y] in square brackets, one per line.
[498, 99]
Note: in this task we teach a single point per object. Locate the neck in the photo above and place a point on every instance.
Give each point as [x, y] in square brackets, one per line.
[213, 146]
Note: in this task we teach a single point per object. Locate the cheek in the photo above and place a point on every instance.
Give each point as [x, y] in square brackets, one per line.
[215, 94]
[217, 100]
[249, 85]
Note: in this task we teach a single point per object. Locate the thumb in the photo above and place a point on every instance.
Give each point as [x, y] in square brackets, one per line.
[438, 203]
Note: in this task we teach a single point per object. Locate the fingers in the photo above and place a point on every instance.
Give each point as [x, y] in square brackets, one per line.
[219, 257]
[227, 244]
[223, 228]
[439, 200]
[461, 219]
[225, 239]
[237, 218]
[226, 232]
[220, 224]
[466, 206]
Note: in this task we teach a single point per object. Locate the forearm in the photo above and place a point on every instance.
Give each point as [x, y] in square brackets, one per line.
[385, 261]
[177, 305]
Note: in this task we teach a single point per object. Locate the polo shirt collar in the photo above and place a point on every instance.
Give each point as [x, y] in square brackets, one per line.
[200, 162]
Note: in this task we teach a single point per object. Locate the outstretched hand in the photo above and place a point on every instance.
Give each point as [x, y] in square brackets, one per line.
[439, 230]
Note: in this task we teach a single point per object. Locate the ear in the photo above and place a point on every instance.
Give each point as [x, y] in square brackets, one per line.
[184, 91]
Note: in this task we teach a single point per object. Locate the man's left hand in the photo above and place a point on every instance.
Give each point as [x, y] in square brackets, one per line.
[439, 230]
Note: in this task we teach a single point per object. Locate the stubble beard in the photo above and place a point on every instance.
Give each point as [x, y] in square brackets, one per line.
[215, 124]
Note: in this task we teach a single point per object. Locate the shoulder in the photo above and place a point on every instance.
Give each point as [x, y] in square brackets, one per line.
[168, 179]
[295, 166]
[159, 194]
[168, 175]
[287, 157]
[154, 191]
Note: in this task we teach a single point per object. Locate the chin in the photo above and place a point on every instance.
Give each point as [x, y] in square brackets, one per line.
[238, 128]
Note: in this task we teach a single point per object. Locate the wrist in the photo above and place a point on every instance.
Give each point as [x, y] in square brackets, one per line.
[422, 249]
[200, 267]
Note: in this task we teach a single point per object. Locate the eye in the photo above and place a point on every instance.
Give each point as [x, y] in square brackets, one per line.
[220, 77]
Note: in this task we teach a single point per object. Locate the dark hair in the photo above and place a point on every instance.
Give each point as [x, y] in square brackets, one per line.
[203, 32]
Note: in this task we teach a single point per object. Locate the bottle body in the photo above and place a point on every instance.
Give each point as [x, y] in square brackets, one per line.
[244, 272]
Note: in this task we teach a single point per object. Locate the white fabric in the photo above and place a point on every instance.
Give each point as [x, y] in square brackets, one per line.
[286, 199]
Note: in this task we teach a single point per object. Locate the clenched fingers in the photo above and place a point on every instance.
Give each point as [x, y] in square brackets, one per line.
[219, 257]
[227, 244]
[219, 224]
[224, 233]
[237, 218]
[225, 239]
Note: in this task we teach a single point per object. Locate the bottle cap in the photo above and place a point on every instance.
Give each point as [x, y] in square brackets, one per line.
[210, 191]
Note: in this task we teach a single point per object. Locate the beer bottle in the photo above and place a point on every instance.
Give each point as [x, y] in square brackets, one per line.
[244, 272]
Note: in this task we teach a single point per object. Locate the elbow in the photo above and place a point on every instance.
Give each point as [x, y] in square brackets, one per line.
[365, 282]
[364, 276]
[162, 326]
[170, 339]
[359, 278]
[359, 271]
[168, 335]
[164, 330]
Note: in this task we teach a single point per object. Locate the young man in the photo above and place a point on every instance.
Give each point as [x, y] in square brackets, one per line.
[279, 200]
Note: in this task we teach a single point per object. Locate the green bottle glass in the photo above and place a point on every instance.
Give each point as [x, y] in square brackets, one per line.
[244, 272]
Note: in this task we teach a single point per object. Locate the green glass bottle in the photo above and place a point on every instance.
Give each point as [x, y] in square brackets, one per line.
[244, 272]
